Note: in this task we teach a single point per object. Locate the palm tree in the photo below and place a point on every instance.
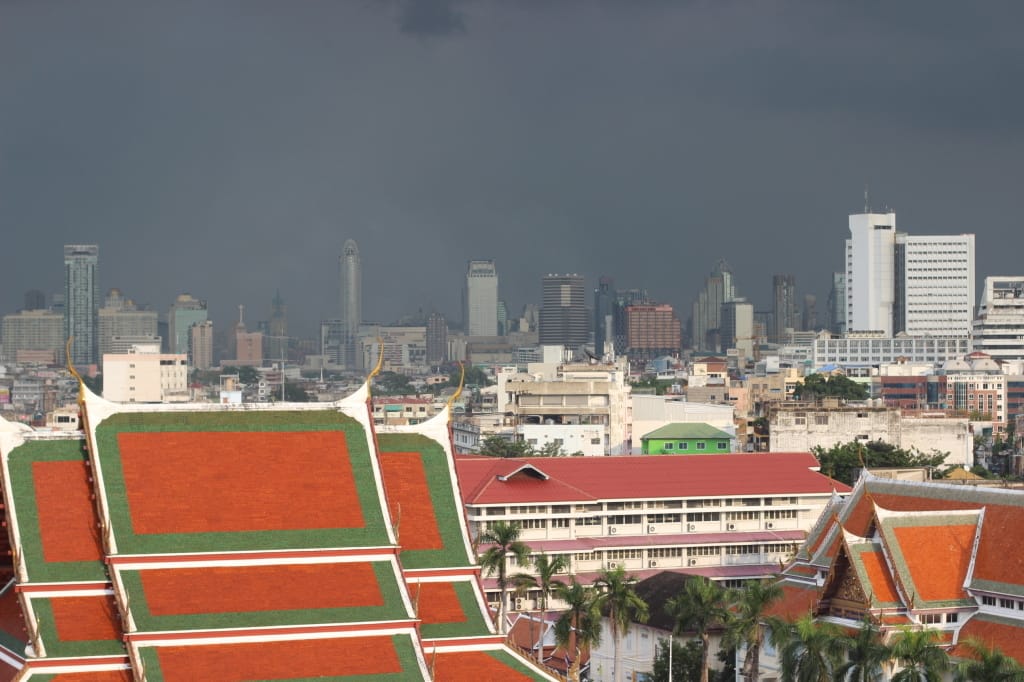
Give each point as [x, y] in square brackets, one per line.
[809, 651]
[617, 597]
[866, 653]
[702, 605]
[547, 568]
[987, 664]
[746, 624]
[920, 656]
[503, 538]
[579, 628]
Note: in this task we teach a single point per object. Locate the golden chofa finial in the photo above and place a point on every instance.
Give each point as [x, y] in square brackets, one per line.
[458, 391]
[74, 372]
[376, 370]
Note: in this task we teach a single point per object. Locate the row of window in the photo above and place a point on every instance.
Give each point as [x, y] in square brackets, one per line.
[636, 504]
[683, 446]
[689, 552]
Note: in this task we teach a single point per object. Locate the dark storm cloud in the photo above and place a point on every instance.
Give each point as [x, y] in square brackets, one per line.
[430, 18]
[229, 148]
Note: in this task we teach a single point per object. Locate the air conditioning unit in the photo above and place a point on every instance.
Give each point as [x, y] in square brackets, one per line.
[613, 530]
[769, 525]
[730, 526]
[613, 564]
[651, 529]
[691, 527]
[519, 604]
[692, 562]
[652, 564]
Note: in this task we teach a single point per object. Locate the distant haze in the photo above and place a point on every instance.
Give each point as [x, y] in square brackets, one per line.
[229, 149]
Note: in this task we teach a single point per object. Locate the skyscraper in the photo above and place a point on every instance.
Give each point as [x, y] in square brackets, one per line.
[480, 299]
[437, 339]
[895, 282]
[185, 312]
[82, 301]
[604, 316]
[707, 309]
[783, 306]
[653, 331]
[837, 304]
[563, 315]
[351, 305]
[277, 346]
[737, 327]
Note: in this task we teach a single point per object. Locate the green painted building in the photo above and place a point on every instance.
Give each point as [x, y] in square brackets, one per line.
[686, 439]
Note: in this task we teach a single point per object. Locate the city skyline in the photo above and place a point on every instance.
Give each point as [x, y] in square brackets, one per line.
[231, 155]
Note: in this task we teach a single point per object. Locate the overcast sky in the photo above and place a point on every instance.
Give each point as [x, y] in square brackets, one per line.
[230, 148]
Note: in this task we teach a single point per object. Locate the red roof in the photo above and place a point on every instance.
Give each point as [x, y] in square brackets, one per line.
[660, 476]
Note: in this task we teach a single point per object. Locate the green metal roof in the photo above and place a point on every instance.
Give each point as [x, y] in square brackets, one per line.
[686, 431]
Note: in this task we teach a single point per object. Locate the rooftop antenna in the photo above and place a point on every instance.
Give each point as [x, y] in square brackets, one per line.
[867, 206]
[241, 310]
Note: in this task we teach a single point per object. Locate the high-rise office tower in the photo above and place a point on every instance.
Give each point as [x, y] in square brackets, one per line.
[122, 324]
[783, 306]
[653, 331]
[999, 329]
[351, 305]
[707, 309]
[35, 300]
[870, 272]
[437, 339]
[82, 301]
[185, 312]
[480, 298]
[809, 317]
[934, 281]
[277, 326]
[737, 327]
[895, 282]
[563, 315]
[604, 317]
[837, 304]
[201, 345]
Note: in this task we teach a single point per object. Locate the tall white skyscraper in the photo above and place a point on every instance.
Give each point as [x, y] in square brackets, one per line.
[481, 298]
[870, 269]
[351, 305]
[82, 301]
[919, 284]
[999, 329]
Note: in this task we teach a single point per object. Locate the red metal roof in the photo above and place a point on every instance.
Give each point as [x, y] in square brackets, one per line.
[656, 476]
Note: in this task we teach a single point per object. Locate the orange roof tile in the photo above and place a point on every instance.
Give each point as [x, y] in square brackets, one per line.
[243, 589]
[82, 619]
[937, 558]
[280, 481]
[996, 632]
[67, 515]
[473, 666]
[307, 658]
[882, 586]
[796, 601]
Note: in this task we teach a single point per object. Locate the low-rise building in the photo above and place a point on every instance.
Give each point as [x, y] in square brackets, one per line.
[145, 375]
[804, 426]
[687, 439]
[727, 517]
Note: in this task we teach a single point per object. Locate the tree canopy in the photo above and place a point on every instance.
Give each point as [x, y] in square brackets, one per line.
[496, 446]
[843, 461]
[816, 386]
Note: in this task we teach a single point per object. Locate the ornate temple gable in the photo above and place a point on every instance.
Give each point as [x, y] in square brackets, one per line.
[844, 595]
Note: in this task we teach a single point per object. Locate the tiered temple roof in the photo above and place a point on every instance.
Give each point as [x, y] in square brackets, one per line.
[907, 553]
[226, 542]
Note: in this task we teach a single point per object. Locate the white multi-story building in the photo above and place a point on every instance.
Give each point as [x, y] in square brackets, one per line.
[481, 298]
[870, 271]
[871, 349]
[727, 517]
[999, 328]
[934, 285]
[580, 406]
[919, 284]
[145, 375]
